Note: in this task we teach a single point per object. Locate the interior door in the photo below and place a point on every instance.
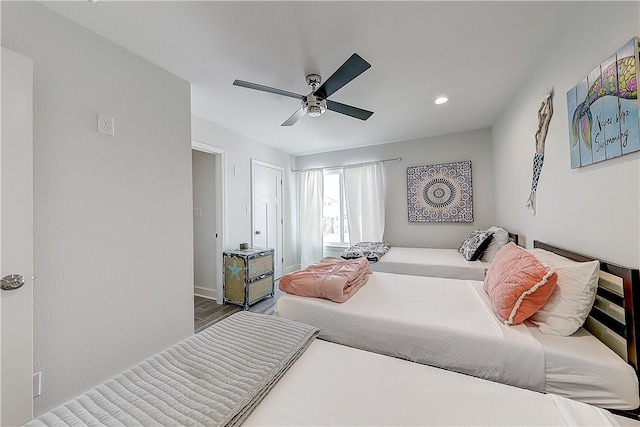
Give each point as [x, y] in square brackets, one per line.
[16, 239]
[267, 210]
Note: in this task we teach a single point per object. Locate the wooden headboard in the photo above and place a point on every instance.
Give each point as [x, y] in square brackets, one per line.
[615, 316]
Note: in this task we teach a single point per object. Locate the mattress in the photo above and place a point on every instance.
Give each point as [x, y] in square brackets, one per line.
[449, 323]
[334, 385]
[580, 367]
[430, 262]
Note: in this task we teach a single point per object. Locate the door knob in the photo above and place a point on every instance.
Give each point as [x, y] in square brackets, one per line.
[11, 282]
[257, 231]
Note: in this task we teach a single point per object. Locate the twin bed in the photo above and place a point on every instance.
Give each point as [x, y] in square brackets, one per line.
[449, 323]
[255, 369]
[432, 262]
[266, 370]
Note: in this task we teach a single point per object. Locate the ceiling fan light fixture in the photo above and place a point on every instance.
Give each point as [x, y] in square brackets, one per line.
[313, 106]
[315, 103]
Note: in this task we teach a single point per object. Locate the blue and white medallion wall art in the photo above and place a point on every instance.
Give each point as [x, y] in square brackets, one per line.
[603, 110]
[440, 193]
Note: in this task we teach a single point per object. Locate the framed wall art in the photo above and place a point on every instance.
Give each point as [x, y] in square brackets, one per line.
[603, 110]
[440, 193]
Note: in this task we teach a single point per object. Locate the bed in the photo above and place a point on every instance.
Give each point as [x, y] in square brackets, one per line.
[448, 263]
[255, 369]
[431, 262]
[449, 323]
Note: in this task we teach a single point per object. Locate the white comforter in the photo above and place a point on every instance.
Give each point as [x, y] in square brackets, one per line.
[450, 326]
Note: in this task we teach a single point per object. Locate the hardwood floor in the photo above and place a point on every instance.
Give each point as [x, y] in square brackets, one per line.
[207, 312]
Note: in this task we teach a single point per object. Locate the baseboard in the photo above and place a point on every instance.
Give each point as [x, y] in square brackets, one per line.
[205, 292]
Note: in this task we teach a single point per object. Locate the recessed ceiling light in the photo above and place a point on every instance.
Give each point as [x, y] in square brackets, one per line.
[441, 100]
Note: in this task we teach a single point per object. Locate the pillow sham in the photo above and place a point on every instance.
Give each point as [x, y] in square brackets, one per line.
[474, 244]
[571, 301]
[499, 238]
[517, 284]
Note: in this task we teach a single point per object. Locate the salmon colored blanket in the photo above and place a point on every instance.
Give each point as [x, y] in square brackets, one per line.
[335, 279]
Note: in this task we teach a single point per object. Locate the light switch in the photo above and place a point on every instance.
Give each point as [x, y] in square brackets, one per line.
[236, 170]
[197, 213]
[248, 209]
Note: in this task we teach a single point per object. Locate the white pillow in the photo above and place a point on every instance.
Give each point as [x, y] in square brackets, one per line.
[571, 301]
[499, 238]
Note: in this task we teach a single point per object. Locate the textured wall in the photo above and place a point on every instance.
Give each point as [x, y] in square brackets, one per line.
[239, 151]
[594, 209]
[113, 251]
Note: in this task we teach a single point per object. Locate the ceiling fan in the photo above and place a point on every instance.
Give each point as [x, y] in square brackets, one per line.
[316, 103]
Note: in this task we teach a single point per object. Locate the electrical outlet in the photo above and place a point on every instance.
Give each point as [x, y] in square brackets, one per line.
[105, 125]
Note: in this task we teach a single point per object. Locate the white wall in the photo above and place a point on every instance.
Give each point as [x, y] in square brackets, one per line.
[204, 224]
[473, 145]
[239, 151]
[594, 209]
[113, 251]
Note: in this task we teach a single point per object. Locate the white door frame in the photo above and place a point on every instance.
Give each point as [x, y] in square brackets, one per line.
[221, 211]
[16, 306]
[280, 225]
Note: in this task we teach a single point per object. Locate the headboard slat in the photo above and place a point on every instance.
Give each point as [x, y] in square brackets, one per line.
[513, 237]
[612, 340]
[612, 283]
[609, 308]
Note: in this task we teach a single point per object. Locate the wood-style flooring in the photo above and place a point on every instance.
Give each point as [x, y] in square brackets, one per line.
[207, 311]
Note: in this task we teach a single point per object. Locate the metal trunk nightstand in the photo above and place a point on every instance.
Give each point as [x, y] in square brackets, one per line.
[248, 276]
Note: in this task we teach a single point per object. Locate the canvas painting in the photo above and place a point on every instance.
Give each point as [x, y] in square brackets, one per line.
[603, 110]
[440, 193]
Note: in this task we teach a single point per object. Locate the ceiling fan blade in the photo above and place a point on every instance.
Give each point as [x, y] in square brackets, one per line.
[294, 118]
[263, 88]
[348, 110]
[352, 68]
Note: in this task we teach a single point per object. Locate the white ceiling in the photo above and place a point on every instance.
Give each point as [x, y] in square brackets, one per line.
[477, 53]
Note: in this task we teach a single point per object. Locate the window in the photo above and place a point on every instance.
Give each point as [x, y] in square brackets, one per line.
[335, 230]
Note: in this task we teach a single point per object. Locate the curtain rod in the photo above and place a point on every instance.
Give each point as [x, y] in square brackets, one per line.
[353, 164]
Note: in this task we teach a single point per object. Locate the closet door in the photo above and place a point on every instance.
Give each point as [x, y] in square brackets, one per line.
[267, 222]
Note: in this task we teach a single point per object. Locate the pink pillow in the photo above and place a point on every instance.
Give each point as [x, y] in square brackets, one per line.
[518, 285]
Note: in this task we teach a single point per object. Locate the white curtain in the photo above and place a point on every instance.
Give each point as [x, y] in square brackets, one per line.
[364, 193]
[310, 197]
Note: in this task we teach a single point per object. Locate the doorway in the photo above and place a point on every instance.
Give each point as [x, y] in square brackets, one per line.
[209, 222]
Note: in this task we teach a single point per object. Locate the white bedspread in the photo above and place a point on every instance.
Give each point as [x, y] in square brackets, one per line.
[430, 262]
[449, 326]
[334, 385]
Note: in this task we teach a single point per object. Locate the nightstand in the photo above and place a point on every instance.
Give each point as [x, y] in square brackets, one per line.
[248, 276]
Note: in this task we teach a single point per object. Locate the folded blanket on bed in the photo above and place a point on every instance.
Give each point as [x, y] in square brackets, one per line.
[372, 251]
[331, 278]
[214, 378]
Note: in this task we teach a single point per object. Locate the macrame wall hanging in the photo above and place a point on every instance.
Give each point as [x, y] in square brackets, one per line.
[544, 117]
